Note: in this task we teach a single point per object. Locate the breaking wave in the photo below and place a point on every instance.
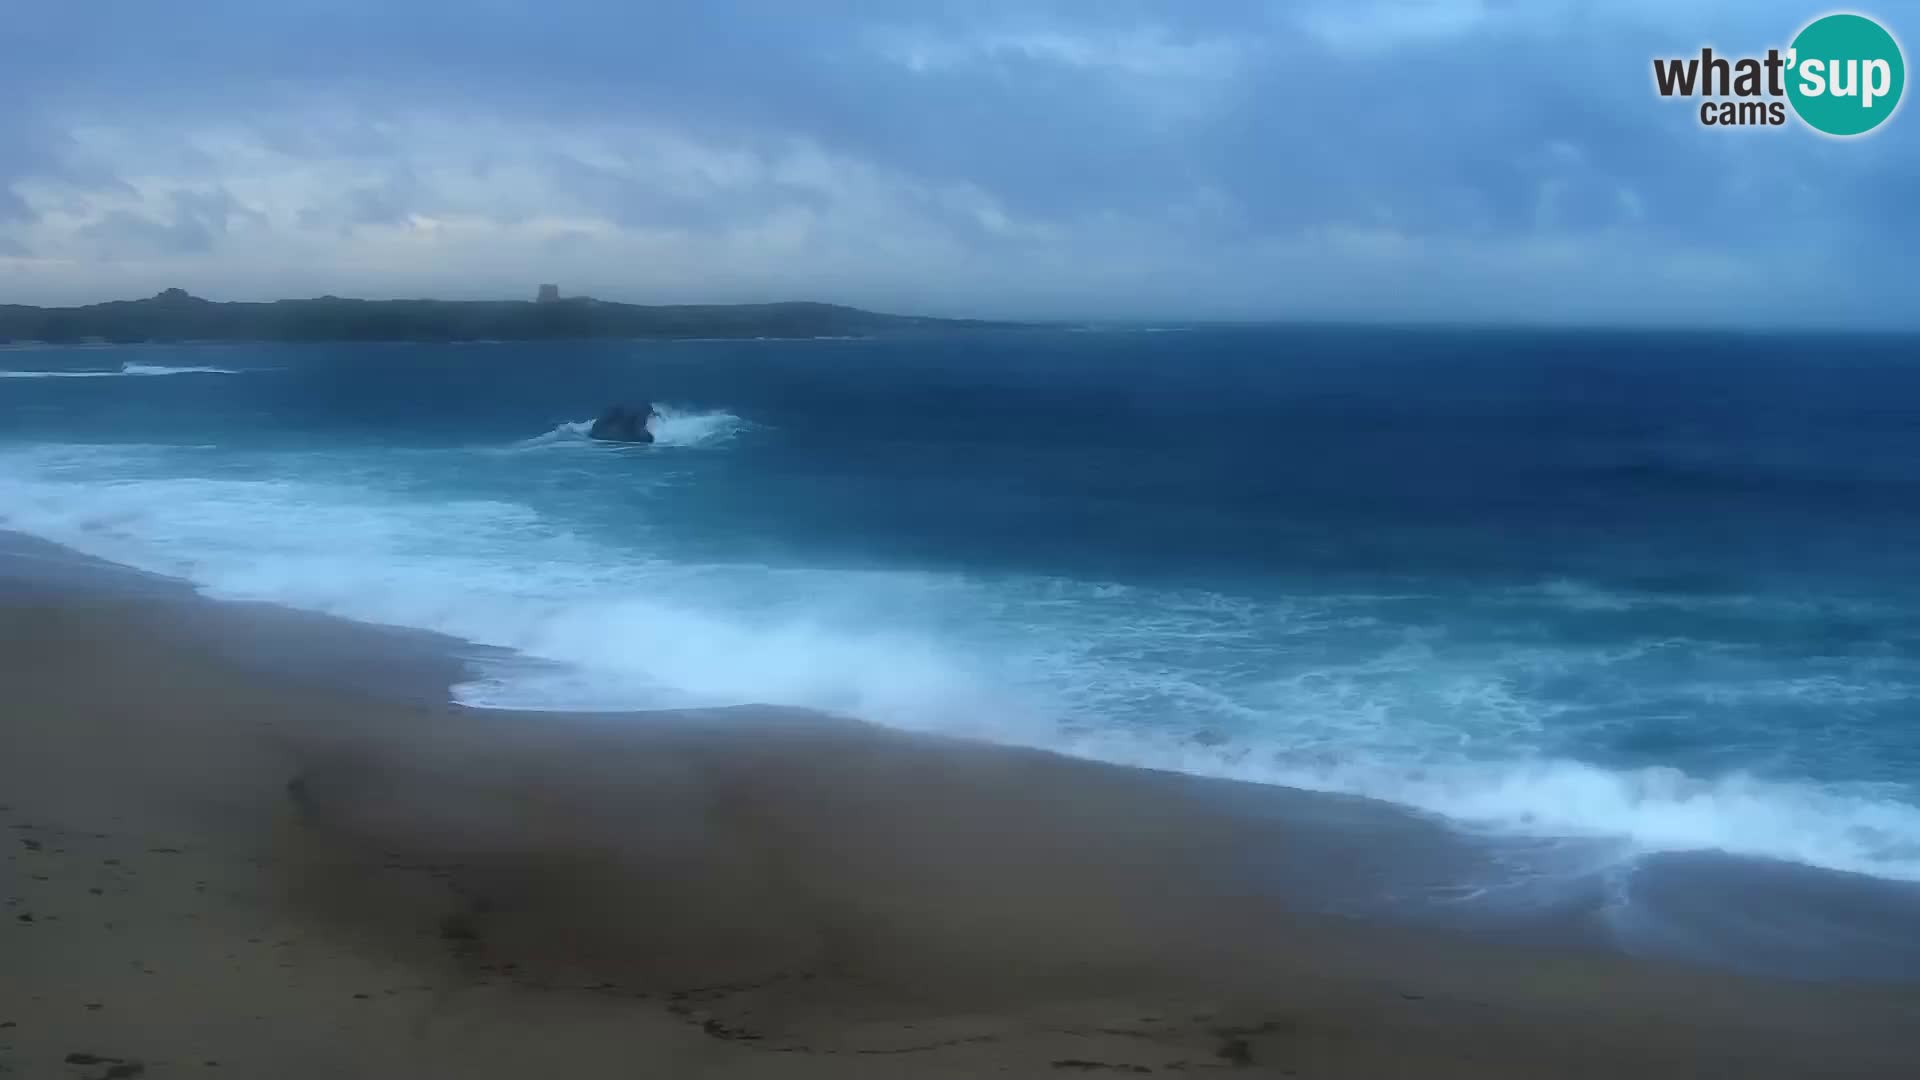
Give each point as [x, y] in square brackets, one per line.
[671, 426]
[123, 370]
[1088, 669]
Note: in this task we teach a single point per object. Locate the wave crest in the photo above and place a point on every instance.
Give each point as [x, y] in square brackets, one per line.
[1849, 828]
[600, 628]
[131, 368]
[126, 369]
[671, 426]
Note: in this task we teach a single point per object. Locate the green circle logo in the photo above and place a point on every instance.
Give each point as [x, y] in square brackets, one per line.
[1845, 74]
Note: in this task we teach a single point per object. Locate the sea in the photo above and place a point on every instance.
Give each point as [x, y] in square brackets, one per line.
[1632, 616]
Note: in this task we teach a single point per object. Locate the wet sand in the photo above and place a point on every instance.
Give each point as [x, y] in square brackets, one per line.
[211, 859]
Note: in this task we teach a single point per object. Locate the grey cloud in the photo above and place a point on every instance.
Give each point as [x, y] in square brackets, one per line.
[12, 206]
[1191, 139]
[387, 202]
[123, 234]
[197, 221]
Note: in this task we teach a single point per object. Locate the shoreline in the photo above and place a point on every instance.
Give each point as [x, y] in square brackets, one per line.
[1378, 861]
[224, 861]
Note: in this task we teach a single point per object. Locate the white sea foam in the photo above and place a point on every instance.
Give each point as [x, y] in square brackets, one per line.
[567, 433]
[131, 368]
[674, 426]
[1042, 662]
[126, 369]
[671, 425]
[1852, 828]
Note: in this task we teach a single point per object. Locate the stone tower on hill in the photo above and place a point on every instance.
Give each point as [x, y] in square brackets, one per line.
[549, 294]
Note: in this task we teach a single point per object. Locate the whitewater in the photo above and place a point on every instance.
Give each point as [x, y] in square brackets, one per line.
[127, 369]
[894, 540]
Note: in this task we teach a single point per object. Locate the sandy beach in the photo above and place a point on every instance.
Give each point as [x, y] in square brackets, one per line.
[213, 868]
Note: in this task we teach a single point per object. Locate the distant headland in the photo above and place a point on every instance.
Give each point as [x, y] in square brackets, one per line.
[175, 315]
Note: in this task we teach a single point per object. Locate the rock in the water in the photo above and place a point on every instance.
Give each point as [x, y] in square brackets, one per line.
[623, 424]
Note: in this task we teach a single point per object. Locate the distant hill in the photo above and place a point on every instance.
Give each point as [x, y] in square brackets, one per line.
[174, 315]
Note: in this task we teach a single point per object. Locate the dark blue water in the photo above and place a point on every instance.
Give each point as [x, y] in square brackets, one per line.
[1656, 593]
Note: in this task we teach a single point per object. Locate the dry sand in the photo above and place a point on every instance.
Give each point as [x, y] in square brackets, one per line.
[211, 871]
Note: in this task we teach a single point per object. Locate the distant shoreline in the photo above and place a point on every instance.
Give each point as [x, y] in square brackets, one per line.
[177, 317]
[82, 346]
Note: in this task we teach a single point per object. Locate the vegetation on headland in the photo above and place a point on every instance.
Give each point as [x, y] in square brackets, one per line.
[174, 315]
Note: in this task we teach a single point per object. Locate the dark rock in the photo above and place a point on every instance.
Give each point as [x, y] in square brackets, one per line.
[623, 424]
[78, 1058]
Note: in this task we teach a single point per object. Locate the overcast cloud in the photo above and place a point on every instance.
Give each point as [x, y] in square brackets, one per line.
[1371, 159]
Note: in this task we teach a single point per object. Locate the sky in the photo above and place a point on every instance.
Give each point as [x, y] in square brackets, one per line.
[1374, 160]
